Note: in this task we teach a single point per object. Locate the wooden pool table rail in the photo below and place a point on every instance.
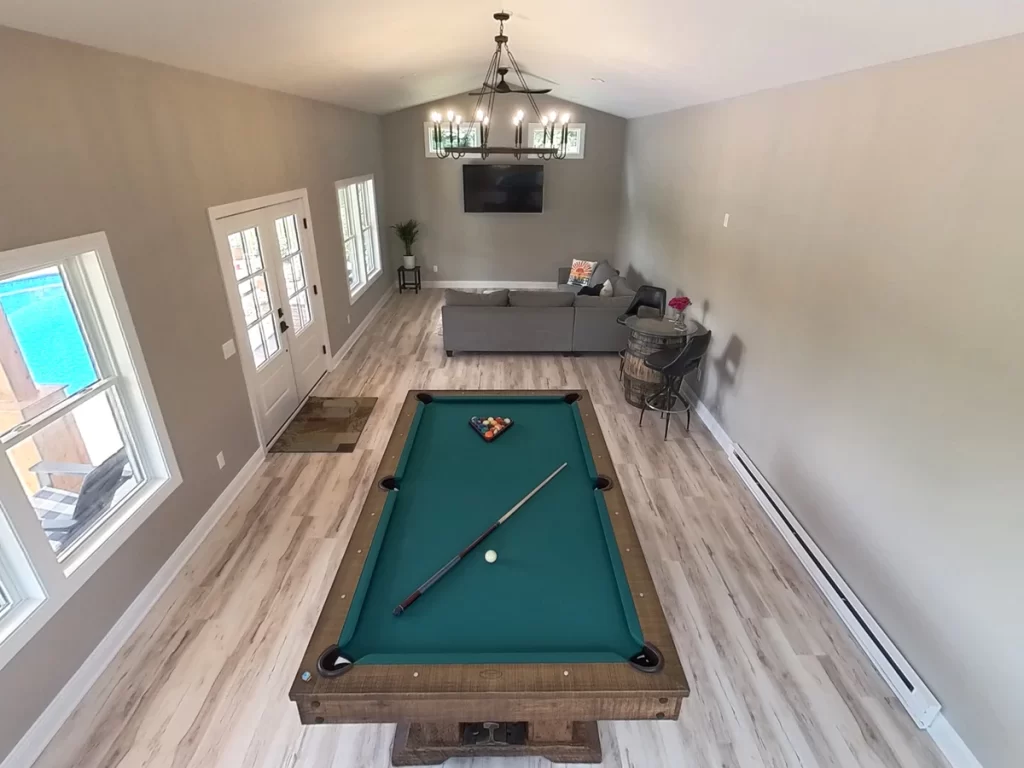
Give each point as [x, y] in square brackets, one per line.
[470, 692]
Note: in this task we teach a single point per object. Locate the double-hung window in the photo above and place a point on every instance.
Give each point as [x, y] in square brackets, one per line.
[84, 456]
[357, 208]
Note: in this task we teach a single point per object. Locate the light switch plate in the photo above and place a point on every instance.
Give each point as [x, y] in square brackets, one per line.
[725, 221]
[220, 460]
[229, 348]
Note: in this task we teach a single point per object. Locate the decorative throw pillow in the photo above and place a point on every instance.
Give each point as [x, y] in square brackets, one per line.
[590, 290]
[580, 272]
[606, 288]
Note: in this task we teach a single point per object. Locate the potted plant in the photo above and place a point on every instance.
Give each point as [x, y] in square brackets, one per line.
[407, 232]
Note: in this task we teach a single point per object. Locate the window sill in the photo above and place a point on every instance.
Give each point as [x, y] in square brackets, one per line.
[27, 617]
[354, 294]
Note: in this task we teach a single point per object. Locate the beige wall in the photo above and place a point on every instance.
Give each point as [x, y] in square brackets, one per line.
[865, 304]
[96, 141]
[581, 198]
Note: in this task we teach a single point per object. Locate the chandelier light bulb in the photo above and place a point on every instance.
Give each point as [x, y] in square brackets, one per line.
[565, 118]
[451, 115]
[479, 115]
[552, 115]
[544, 120]
[435, 117]
[487, 119]
[458, 119]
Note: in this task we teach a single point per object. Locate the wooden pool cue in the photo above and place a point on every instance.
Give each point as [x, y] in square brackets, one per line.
[400, 609]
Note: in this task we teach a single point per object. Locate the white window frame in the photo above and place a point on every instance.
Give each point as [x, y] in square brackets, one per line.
[533, 128]
[465, 129]
[354, 292]
[42, 584]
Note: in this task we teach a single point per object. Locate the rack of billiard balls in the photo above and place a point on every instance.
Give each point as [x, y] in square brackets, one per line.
[490, 427]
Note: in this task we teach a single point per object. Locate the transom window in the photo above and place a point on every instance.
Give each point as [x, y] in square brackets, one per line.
[357, 208]
[452, 135]
[83, 453]
[575, 141]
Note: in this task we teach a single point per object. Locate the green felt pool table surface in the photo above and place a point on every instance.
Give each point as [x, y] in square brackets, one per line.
[557, 592]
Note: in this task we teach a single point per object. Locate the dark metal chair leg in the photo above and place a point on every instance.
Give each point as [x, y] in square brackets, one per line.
[642, 409]
[687, 419]
[668, 420]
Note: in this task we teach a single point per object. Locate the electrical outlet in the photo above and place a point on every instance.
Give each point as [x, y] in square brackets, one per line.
[229, 348]
[220, 460]
[725, 221]
[435, 267]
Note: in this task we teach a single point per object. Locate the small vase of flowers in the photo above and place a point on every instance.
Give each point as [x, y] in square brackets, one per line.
[679, 304]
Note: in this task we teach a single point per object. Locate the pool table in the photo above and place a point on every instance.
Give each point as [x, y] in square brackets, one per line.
[521, 656]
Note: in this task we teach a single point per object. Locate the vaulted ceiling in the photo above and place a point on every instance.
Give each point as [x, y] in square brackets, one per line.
[628, 58]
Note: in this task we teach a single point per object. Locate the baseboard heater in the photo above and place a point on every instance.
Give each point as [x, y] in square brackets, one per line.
[890, 663]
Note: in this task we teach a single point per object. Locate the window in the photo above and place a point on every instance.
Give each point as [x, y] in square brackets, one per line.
[575, 143]
[357, 208]
[460, 134]
[84, 456]
[295, 288]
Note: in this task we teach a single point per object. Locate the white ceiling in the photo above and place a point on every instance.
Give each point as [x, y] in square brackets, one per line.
[654, 55]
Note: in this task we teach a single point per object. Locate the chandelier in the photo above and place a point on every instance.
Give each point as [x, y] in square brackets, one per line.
[556, 128]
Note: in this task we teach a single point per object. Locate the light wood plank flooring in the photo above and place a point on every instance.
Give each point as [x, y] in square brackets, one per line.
[776, 678]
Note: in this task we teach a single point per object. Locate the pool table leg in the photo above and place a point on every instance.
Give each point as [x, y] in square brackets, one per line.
[560, 741]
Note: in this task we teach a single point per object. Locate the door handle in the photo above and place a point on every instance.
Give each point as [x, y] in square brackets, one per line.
[284, 326]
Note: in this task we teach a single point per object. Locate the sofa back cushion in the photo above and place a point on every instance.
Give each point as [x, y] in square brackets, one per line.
[540, 299]
[454, 298]
[603, 271]
[621, 288]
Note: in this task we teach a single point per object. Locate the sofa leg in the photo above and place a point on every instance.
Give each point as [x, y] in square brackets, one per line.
[449, 353]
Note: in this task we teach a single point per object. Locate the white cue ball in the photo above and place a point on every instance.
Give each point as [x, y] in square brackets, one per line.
[490, 556]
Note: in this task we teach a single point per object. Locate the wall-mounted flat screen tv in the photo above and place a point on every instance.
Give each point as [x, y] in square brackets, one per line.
[503, 188]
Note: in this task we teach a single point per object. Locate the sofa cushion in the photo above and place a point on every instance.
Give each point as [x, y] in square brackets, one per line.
[566, 288]
[540, 299]
[616, 302]
[621, 288]
[603, 271]
[454, 298]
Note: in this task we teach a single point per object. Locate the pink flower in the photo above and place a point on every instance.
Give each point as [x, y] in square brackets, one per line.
[679, 303]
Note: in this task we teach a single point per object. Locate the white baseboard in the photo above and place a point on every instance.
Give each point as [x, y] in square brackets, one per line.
[708, 418]
[470, 285]
[956, 752]
[32, 744]
[360, 329]
[951, 745]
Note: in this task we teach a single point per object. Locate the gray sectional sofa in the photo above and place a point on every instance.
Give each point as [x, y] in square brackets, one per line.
[534, 321]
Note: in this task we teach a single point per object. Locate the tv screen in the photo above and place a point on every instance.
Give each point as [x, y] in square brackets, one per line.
[503, 188]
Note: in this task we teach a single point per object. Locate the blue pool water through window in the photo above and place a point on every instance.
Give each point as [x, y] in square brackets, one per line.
[45, 327]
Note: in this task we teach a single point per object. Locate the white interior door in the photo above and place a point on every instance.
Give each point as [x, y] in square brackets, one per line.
[276, 306]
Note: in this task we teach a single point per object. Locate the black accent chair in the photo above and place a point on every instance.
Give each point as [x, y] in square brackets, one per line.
[645, 296]
[675, 365]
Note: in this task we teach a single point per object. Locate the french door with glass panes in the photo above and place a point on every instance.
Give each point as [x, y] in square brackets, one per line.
[277, 307]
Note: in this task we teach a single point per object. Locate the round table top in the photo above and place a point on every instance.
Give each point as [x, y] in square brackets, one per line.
[656, 326]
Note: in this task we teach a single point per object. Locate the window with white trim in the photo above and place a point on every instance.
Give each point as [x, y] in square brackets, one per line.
[84, 456]
[452, 135]
[575, 141]
[357, 209]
